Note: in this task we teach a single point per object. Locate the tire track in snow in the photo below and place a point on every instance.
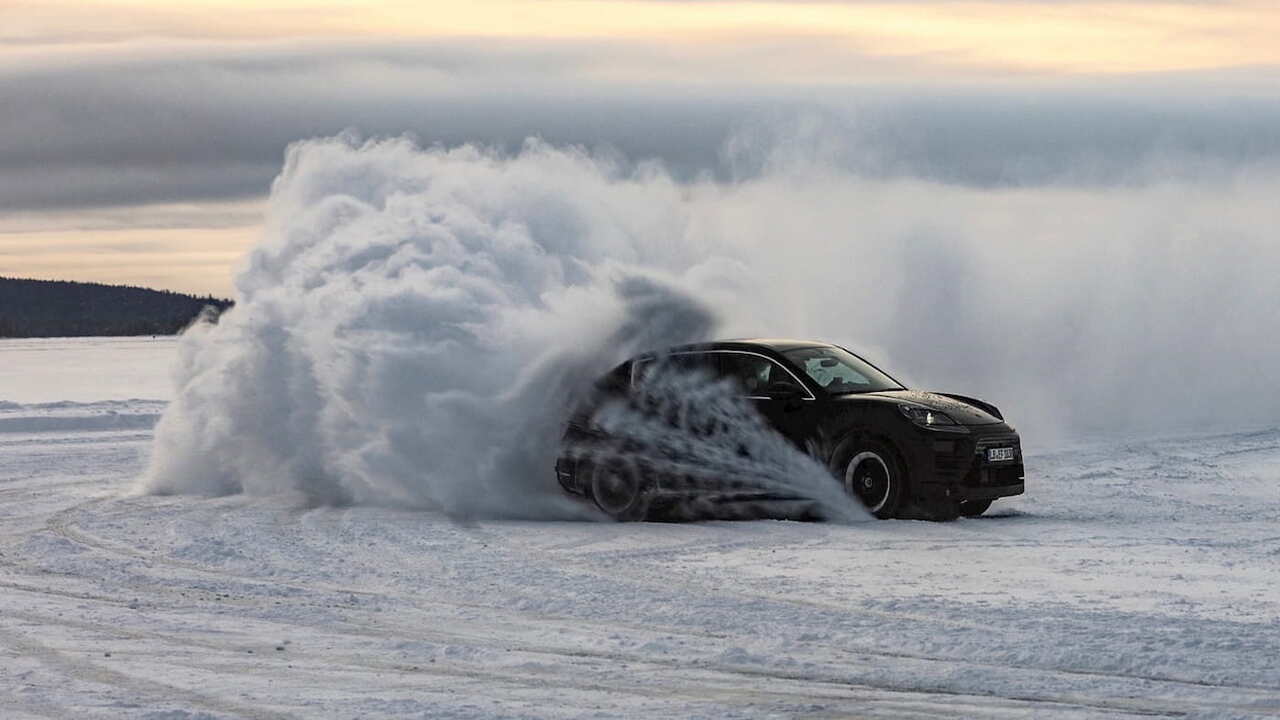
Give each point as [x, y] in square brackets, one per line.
[85, 670]
[62, 524]
[755, 595]
[732, 693]
[590, 563]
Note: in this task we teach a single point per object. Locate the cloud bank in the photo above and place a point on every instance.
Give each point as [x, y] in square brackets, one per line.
[210, 122]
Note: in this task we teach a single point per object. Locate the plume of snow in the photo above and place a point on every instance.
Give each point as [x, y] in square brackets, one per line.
[416, 323]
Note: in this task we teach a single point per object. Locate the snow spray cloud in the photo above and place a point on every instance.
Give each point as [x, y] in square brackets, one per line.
[417, 325]
[404, 330]
[685, 429]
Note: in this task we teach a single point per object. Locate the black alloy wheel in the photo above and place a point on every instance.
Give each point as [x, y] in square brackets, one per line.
[619, 491]
[871, 475]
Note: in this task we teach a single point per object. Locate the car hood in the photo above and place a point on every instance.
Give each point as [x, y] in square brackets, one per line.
[962, 412]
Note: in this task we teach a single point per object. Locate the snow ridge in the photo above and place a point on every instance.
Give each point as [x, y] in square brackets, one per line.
[69, 416]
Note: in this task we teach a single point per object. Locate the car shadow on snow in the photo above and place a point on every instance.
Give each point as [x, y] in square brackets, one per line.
[702, 509]
[1006, 514]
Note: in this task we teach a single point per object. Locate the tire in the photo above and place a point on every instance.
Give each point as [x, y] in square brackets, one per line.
[944, 511]
[974, 508]
[871, 474]
[619, 491]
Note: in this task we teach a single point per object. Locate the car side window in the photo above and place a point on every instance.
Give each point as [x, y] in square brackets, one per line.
[679, 363]
[755, 374]
[693, 362]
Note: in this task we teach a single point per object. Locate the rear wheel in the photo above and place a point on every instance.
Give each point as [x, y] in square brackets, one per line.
[974, 508]
[619, 491]
[872, 476]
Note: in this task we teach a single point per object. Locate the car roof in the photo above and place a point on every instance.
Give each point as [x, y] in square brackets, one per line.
[775, 344]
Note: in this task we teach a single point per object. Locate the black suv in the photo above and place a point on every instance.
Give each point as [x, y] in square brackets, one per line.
[903, 453]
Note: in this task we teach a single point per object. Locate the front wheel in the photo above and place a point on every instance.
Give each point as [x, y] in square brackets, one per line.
[872, 476]
[619, 491]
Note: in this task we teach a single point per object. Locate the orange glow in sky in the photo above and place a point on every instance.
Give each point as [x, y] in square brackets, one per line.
[1045, 37]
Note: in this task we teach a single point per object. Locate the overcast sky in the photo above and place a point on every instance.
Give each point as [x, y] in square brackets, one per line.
[139, 139]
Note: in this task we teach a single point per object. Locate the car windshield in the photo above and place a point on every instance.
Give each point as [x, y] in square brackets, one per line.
[840, 371]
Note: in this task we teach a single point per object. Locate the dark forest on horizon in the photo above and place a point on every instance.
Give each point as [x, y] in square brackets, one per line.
[62, 308]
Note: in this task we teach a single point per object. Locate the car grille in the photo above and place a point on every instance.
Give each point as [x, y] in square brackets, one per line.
[965, 461]
[1006, 472]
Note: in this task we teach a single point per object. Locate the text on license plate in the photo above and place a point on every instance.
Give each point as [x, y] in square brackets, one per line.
[999, 454]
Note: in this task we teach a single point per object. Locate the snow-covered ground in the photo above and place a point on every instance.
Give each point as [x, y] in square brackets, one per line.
[1136, 577]
[85, 369]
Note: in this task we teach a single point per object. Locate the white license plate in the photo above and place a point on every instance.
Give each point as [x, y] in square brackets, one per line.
[999, 454]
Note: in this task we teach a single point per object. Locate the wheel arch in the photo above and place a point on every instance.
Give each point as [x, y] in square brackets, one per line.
[852, 438]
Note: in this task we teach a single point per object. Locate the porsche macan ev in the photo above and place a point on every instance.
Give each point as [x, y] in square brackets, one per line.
[901, 452]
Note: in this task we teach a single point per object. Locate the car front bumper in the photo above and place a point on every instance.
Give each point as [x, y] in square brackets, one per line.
[955, 467]
[990, 492]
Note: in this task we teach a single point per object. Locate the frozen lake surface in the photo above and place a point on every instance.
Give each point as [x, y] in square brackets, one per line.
[85, 369]
[1137, 577]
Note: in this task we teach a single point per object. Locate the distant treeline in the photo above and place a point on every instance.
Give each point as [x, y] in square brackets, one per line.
[55, 308]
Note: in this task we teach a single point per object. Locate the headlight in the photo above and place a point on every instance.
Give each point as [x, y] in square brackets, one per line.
[931, 419]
